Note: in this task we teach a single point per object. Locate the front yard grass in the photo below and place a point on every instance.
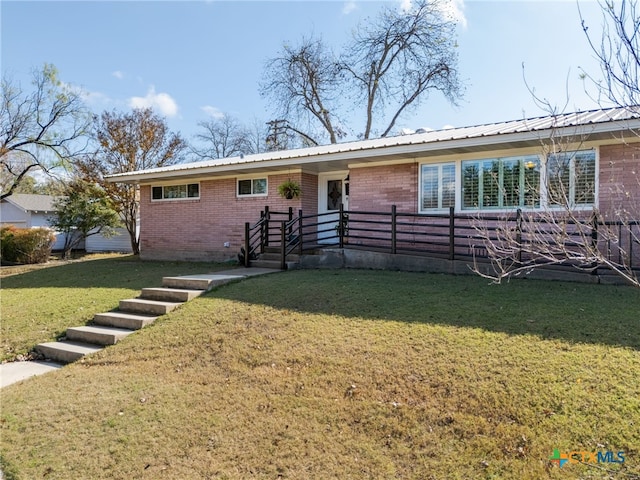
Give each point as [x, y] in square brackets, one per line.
[346, 374]
[39, 305]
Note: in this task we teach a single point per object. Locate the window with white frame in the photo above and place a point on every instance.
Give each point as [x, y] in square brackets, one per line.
[501, 183]
[437, 186]
[175, 192]
[571, 178]
[252, 187]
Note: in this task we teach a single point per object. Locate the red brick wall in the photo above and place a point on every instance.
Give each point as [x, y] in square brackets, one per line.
[309, 185]
[619, 179]
[378, 188]
[619, 194]
[198, 229]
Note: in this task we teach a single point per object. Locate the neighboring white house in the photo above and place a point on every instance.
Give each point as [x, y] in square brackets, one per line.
[120, 242]
[28, 211]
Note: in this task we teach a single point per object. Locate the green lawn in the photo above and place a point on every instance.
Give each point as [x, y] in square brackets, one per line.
[39, 305]
[343, 374]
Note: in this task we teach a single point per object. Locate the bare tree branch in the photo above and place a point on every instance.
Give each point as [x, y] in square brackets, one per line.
[395, 61]
[223, 137]
[565, 227]
[303, 82]
[572, 225]
[388, 67]
[39, 130]
[617, 48]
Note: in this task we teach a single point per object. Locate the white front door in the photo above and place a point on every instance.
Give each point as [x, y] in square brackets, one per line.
[333, 190]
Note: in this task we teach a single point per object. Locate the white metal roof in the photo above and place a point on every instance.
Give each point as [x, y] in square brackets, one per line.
[511, 133]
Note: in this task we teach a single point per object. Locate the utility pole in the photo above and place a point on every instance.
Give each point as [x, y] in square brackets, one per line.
[277, 138]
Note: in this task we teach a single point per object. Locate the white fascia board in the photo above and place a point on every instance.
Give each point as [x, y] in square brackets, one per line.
[203, 177]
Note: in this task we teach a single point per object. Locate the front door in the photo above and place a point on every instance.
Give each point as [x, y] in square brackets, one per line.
[332, 191]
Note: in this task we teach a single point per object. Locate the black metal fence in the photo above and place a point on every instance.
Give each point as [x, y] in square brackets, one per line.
[448, 235]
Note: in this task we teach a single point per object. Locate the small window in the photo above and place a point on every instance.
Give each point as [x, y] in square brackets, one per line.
[176, 192]
[193, 190]
[438, 186]
[254, 186]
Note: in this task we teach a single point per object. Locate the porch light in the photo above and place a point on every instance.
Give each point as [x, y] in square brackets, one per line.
[530, 164]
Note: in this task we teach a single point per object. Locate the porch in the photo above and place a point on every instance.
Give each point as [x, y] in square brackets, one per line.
[445, 242]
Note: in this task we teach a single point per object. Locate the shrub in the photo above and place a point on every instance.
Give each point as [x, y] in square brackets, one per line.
[7, 244]
[26, 245]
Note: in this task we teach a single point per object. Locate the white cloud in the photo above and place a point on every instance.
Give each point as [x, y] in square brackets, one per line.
[96, 99]
[455, 9]
[452, 9]
[212, 111]
[91, 98]
[405, 5]
[159, 101]
[118, 74]
[348, 7]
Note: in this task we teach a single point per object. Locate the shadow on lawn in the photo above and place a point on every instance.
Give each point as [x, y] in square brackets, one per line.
[120, 272]
[573, 312]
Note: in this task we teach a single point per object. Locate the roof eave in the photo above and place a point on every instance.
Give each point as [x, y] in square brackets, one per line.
[593, 131]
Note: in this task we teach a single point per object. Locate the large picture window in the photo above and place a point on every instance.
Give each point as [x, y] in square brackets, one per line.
[501, 183]
[571, 178]
[438, 186]
[252, 187]
[174, 192]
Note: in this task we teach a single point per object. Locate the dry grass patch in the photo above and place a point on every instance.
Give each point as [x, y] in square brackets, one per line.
[348, 374]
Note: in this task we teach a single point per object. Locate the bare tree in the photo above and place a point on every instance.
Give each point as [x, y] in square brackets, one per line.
[127, 142]
[568, 226]
[257, 136]
[397, 60]
[303, 83]
[389, 67]
[223, 137]
[560, 224]
[50, 185]
[39, 130]
[618, 51]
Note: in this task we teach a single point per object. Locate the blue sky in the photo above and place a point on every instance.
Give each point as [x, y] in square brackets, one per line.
[190, 60]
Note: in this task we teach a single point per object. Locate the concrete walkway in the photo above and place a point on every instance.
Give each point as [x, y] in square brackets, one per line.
[13, 372]
[16, 371]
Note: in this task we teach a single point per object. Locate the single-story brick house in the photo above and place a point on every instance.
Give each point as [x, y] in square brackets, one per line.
[197, 211]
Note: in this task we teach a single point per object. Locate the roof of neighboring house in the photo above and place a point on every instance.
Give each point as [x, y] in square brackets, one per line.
[32, 202]
[597, 124]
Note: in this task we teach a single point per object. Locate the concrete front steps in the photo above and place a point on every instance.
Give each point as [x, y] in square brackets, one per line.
[271, 259]
[132, 314]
